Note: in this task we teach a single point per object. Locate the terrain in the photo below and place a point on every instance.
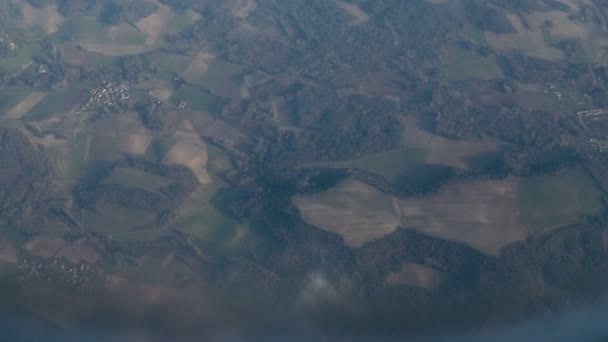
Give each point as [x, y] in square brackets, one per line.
[265, 169]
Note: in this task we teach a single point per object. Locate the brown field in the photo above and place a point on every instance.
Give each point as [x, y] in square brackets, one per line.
[215, 74]
[190, 155]
[211, 127]
[537, 39]
[118, 135]
[153, 25]
[444, 151]
[80, 251]
[198, 67]
[163, 95]
[113, 50]
[415, 275]
[482, 214]
[354, 210]
[72, 54]
[47, 19]
[531, 42]
[45, 246]
[25, 105]
[112, 146]
[354, 10]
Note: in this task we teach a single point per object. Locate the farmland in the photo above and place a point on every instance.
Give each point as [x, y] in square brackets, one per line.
[558, 200]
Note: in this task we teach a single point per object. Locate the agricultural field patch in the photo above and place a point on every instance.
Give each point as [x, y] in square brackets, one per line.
[359, 213]
[9, 97]
[194, 99]
[25, 105]
[172, 63]
[482, 214]
[557, 200]
[157, 149]
[389, 164]
[137, 179]
[93, 36]
[47, 19]
[191, 156]
[443, 151]
[220, 77]
[537, 34]
[415, 275]
[69, 159]
[461, 65]
[22, 59]
[8, 252]
[165, 21]
[111, 218]
[353, 10]
[112, 146]
[58, 102]
[45, 246]
[200, 218]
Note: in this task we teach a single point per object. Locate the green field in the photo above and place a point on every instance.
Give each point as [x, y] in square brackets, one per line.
[548, 101]
[389, 164]
[462, 65]
[58, 102]
[90, 30]
[195, 98]
[68, 160]
[214, 231]
[16, 63]
[172, 63]
[559, 199]
[9, 97]
[137, 179]
[110, 218]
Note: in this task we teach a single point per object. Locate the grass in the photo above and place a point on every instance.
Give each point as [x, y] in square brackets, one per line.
[172, 63]
[389, 164]
[111, 218]
[213, 231]
[137, 179]
[69, 159]
[570, 101]
[462, 65]
[9, 97]
[559, 199]
[14, 64]
[222, 78]
[90, 30]
[179, 21]
[60, 101]
[129, 35]
[195, 98]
